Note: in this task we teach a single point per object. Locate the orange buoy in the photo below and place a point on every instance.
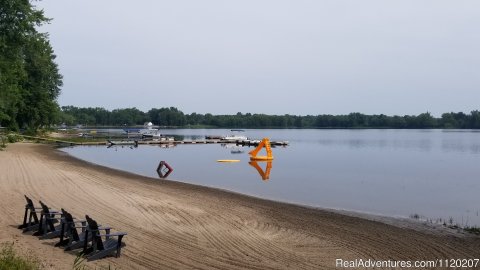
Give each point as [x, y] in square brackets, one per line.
[264, 143]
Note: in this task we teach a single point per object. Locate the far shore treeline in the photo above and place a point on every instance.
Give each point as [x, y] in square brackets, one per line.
[172, 117]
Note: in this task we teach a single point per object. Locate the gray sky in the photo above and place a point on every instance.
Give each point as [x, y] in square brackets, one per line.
[269, 56]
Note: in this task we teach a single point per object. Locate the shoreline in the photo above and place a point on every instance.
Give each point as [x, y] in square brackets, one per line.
[397, 221]
[178, 225]
[392, 220]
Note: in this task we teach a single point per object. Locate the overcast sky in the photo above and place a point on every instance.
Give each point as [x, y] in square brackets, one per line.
[269, 56]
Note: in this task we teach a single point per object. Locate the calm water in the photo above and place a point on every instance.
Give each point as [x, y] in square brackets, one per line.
[432, 173]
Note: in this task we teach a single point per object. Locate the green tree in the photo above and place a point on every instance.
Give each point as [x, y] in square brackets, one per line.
[474, 119]
[167, 117]
[448, 120]
[29, 78]
[425, 120]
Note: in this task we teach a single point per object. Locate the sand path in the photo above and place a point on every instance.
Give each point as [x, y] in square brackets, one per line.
[179, 226]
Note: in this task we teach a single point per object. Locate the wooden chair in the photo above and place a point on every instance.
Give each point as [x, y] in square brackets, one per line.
[30, 218]
[48, 218]
[70, 238]
[101, 248]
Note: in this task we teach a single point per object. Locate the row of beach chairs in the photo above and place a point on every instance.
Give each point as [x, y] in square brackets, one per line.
[95, 241]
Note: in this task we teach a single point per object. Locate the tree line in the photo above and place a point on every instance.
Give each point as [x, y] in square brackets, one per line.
[29, 77]
[173, 117]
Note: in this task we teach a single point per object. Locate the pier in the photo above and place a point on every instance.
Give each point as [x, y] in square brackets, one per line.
[125, 141]
[210, 141]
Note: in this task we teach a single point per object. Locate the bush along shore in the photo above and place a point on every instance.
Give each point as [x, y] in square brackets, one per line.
[11, 260]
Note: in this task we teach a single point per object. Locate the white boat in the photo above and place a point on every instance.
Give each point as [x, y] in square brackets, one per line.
[235, 136]
[147, 131]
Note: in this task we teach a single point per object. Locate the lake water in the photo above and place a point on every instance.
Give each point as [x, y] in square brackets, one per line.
[432, 173]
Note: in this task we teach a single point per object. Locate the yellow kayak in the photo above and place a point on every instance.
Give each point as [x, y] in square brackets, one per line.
[228, 160]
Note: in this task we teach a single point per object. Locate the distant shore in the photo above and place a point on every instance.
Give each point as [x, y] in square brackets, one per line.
[172, 225]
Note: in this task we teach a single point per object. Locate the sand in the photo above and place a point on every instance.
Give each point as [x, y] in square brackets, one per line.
[172, 225]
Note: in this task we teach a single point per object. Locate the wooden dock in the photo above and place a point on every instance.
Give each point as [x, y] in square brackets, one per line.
[210, 141]
[153, 142]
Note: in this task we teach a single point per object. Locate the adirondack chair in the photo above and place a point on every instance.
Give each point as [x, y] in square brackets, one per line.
[48, 218]
[70, 239]
[100, 248]
[30, 218]
[89, 233]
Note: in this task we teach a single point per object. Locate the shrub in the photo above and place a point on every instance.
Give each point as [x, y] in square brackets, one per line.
[10, 260]
[474, 230]
[12, 138]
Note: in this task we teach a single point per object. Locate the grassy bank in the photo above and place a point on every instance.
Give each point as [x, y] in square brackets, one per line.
[11, 260]
[64, 140]
[10, 138]
[67, 140]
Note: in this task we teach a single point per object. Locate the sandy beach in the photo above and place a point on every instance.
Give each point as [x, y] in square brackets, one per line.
[172, 225]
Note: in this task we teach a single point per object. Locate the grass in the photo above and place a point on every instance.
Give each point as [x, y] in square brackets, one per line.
[75, 140]
[11, 260]
[81, 139]
[79, 264]
[450, 223]
[474, 230]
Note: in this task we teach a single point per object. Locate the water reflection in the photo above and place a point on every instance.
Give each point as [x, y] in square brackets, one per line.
[115, 147]
[424, 145]
[390, 172]
[460, 146]
[264, 174]
[167, 145]
[234, 148]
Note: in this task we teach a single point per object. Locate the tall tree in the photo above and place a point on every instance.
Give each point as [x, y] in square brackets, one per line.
[29, 78]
